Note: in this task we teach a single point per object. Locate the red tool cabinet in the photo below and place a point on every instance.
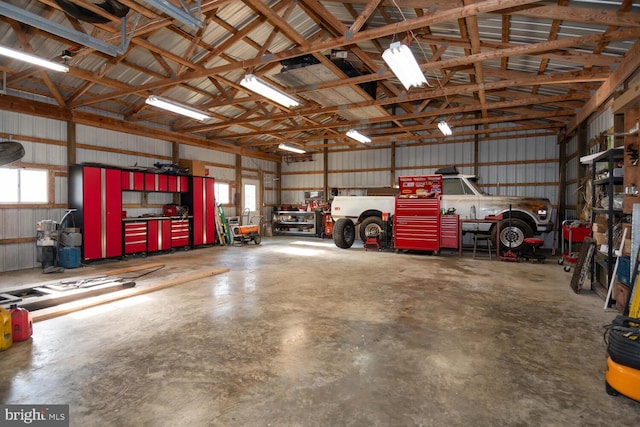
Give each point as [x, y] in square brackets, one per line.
[417, 224]
[158, 235]
[133, 180]
[177, 183]
[202, 207]
[449, 231]
[96, 194]
[417, 213]
[179, 233]
[156, 182]
[135, 237]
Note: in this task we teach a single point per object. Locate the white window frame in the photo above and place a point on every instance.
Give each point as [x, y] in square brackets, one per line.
[22, 192]
[216, 190]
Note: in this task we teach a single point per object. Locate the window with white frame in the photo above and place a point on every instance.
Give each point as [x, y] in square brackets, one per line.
[24, 186]
[221, 191]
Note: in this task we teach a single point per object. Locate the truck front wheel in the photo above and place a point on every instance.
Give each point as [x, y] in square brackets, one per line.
[512, 233]
[344, 233]
[370, 227]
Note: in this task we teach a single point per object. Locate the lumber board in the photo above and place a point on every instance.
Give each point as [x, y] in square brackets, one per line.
[119, 271]
[60, 310]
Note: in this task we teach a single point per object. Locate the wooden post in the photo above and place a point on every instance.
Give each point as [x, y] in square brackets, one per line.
[392, 166]
[325, 169]
[71, 142]
[237, 199]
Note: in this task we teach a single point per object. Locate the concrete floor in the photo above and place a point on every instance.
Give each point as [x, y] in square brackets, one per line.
[302, 333]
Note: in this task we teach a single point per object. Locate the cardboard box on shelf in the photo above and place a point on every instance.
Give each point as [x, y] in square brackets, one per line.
[196, 167]
[599, 228]
[600, 238]
[626, 250]
[627, 203]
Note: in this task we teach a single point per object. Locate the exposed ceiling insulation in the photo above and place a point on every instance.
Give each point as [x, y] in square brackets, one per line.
[495, 67]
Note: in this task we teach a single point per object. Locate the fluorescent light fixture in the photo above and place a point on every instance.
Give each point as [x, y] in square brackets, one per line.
[32, 59]
[292, 149]
[172, 106]
[444, 128]
[354, 134]
[404, 65]
[260, 87]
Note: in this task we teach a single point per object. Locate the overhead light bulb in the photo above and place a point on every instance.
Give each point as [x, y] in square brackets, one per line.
[175, 107]
[292, 149]
[404, 65]
[32, 59]
[263, 88]
[354, 134]
[444, 128]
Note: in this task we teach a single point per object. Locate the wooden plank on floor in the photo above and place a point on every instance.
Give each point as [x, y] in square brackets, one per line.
[113, 272]
[51, 312]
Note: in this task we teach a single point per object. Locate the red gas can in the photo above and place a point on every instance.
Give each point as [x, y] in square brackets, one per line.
[21, 323]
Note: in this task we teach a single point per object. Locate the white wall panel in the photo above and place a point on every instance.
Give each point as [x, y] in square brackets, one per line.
[222, 174]
[292, 197]
[22, 124]
[123, 141]
[316, 165]
[44, 153]
[602, 123]
[205, 155]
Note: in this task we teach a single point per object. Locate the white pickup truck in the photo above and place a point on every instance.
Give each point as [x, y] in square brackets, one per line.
[522, 216]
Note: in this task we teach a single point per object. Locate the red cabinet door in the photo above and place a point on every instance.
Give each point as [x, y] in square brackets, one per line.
[152, 235]
[161, 182]
[183, 184]
[204, 211]
[127, 180]
[172, 183]
[158, 235]
[102, 212]
[92, 205]
[133, 181]
[198, 189]
[209, 212]
[150, 181]
[113, 212]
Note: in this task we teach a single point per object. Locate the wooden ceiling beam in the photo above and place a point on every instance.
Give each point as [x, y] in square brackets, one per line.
[628, 66]
[485, 6]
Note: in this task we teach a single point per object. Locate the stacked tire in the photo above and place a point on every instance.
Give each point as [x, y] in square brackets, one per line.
[623, 346]
[623, 343]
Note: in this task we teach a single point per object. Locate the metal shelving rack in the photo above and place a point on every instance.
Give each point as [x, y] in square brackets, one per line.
[605, 261]
[294, 222]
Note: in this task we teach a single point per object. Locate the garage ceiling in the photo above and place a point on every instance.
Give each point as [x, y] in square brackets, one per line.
[495, 68]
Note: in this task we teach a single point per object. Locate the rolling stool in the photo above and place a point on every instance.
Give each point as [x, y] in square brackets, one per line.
[530, 252]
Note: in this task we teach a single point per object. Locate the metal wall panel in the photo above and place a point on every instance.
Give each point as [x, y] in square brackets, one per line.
[603, 123]
[123, 141]
[21, 223]
[45, 154]
[205, 155]
[316, 165]
[222, 174]
[22, 124]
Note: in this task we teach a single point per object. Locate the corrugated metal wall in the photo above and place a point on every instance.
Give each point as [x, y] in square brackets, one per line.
[20, 224]
[515, 166]
[49, 152]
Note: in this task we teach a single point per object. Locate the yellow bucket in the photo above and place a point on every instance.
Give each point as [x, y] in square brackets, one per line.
[6, 338]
